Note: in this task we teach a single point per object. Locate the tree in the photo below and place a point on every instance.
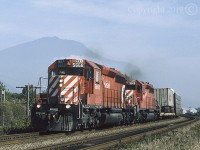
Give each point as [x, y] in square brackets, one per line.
[13, 111]
[198, 109]
[2, 86]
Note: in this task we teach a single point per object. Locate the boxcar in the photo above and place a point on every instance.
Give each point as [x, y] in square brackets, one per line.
[164, 97]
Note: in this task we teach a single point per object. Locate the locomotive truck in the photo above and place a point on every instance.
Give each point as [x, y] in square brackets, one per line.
[82, 94]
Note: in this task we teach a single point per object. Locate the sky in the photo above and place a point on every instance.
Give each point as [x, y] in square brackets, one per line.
[161, 37]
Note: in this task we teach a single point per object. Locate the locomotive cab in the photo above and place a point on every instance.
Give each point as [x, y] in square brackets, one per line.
[64, 81]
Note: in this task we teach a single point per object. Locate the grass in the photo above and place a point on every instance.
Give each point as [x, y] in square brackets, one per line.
[186, 138]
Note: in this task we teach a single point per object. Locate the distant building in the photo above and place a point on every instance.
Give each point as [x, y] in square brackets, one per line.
[189, 110]
[184, 111]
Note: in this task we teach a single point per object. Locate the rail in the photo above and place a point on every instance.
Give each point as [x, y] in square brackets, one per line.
[18, 136]
[107, 141]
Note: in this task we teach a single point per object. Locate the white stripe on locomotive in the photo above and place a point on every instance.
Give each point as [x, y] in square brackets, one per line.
[51, 79]
[53, 85]
[67, 79]
[69, 86]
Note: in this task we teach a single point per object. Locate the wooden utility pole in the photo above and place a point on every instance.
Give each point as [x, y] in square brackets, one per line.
[3, 100]
[27, 87]
[28, 98]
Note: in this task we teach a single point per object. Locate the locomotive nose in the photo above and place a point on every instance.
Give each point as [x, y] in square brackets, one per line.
[69, 90]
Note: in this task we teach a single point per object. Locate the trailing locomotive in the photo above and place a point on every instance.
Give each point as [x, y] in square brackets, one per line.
[142, 95]
[82, 94]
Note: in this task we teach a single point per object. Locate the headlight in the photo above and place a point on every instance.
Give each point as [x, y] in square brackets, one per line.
[61, 80]
[68, 106]
[38, 106]
[60, 85]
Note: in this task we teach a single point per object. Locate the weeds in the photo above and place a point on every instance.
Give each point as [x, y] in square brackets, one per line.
[179, 139]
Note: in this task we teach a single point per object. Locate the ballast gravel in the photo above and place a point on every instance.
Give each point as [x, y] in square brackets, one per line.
[38, 143]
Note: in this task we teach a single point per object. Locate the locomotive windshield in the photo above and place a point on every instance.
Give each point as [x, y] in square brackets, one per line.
[71, 71]
[67, 71]
[130, 87]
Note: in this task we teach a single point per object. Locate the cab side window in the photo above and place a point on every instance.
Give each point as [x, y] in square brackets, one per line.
[97, 77]
[52, 73]
[88, 74]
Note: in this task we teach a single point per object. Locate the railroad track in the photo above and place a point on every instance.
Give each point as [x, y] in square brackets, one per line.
[21, 136]
[16, 138]
[107, 141]
[24, 136]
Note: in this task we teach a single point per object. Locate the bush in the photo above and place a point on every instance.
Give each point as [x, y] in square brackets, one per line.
[15, 119]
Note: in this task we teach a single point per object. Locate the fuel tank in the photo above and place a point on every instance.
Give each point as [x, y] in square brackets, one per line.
[110, 119]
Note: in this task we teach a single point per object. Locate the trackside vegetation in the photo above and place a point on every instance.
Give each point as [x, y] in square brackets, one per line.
[184, 138]
[13, 111]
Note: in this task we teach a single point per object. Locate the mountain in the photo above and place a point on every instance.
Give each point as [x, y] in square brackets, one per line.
[25, 63]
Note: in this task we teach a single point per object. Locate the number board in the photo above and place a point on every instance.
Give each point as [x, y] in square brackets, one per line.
[78, 63]
[61, 63]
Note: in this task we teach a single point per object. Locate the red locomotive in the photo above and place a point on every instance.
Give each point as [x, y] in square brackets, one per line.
[141, 95]
[84, 94]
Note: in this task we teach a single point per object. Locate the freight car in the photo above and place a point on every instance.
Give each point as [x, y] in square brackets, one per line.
[169, 102]
[177, 104]
[83, 94]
